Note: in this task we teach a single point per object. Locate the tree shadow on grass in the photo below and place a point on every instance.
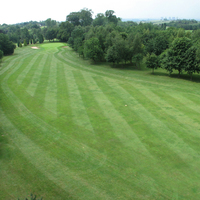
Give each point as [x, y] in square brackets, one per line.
[195, 77]
[129, 66]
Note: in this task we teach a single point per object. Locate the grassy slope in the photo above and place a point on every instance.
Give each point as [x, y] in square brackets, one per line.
[67, 134]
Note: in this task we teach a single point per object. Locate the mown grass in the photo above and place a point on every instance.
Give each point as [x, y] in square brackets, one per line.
[71, 129]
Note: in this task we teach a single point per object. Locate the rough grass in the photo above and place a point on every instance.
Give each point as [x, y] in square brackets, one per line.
[71, 129]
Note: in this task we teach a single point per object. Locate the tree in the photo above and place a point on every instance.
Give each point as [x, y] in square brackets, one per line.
[25, 43]
[6, 45]
[196, 36]
[157, 44]
[136, 48]
[152, 61]
[1, 55]
[175, 57]
[74, 18]
[99, 20]
[77, 37]
[111, 17]
[86, 17]
[92, 49]
[192, 62]
[25, 35]
[83, 17]
[65, 30]
[50, 34]
[111, 55]
[34, 41]
[121, 47]
[41, 38]
[50, 23]
[181, 32]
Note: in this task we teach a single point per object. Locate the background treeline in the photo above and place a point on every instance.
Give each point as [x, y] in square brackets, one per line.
[108, 38]
[185, 24]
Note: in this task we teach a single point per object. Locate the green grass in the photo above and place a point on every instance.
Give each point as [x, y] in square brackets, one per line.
[71, 129]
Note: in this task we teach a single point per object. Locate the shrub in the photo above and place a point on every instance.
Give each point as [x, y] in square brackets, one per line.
[25, 43]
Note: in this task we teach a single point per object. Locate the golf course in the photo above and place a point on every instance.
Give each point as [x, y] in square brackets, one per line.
[74, 129]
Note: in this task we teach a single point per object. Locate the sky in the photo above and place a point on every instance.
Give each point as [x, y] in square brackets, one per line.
[16, 11]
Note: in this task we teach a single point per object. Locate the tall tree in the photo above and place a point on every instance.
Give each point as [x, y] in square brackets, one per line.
[50, 23]
[99, 20]
[25, 35]
[77, 37]
[136, 48]
[6, 45]
[83, 17]
[152, 61]
[192, 61]
[74, 18]
[92, 49]
[111, 55]
[175, 57]
[51, 33]
[40, 38]
[86, 17]
[65, 30]
[111, 17]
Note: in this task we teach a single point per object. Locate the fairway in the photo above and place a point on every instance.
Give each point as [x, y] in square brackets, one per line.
[71, 129]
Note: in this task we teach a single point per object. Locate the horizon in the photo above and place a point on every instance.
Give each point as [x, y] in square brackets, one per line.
[19, 12]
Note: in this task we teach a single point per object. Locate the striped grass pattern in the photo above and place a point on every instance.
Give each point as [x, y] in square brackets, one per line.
[70, 129]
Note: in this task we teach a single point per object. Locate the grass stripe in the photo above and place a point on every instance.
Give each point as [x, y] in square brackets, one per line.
[20, 107]
[78, 108]
[40, 91]
[185, 101]
[174, 121]
[36, 78]
[27, 69]
[61, 58]
[169, 138]
[175, 111]
[49, 166]
[122, 130]
[164, 156]
[51, 90]
[9, 64]
[138, 151]
[101, 126]
[47, 130]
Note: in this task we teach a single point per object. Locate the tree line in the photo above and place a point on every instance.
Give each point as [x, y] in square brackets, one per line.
[108, 38]
[185, 23]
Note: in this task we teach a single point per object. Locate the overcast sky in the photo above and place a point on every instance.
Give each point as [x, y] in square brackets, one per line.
[16, 11]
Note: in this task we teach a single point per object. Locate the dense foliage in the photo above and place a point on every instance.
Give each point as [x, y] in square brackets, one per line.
[6, 46]
[1, 54]
[107, 38]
